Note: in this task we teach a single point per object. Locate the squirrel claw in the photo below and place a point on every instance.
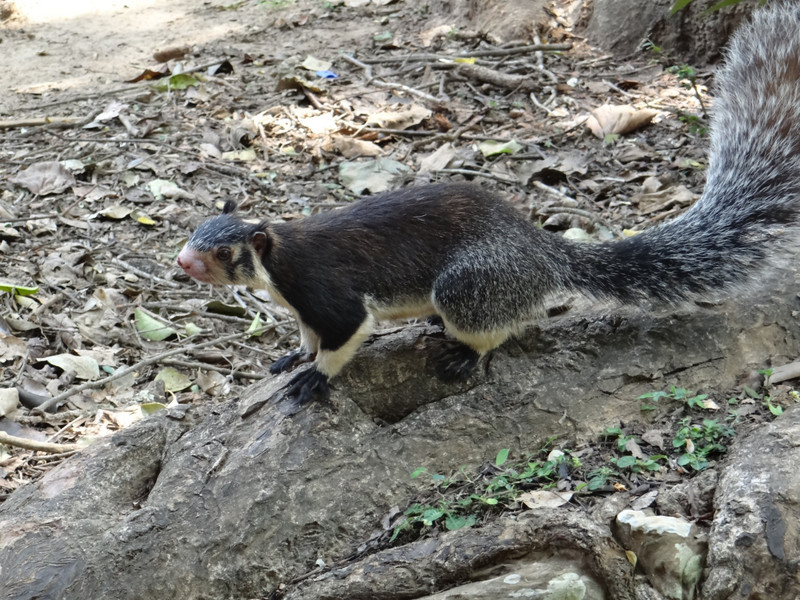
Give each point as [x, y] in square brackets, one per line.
[456, 362]
[435, 321]
[308, 385]
[290, 361]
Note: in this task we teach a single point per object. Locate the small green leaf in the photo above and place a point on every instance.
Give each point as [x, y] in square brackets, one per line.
[142, 218]
[719, 5]
[492, 148]
[775, 409]
[220, 308]
[174, 380]
[256, 326]
[151, 328]
[192, 329]
[148, 408]
[181, 81]
[453, 522]
[417, 472]
[502, 457]
[431, 515]
[679, 5]
[17, 290]
[597, 482]
[626, 461]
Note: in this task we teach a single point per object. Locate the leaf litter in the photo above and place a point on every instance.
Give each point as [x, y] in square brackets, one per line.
[99, 191]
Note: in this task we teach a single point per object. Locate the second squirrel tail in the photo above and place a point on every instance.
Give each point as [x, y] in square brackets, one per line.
[749, 212]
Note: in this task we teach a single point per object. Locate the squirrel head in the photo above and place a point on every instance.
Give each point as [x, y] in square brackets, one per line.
[226, 249]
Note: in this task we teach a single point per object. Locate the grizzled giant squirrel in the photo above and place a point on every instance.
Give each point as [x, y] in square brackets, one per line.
[460, 253]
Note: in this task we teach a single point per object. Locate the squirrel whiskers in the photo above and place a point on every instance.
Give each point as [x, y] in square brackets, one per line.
[460, 253]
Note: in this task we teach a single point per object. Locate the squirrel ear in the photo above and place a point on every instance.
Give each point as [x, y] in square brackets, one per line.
[261, 242]
[230, 207]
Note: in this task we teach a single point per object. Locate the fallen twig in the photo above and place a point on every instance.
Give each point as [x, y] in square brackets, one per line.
[30, 444]
[141, 273]
[195, 364]
[143, 363]
[473, 173]
[496, 78]
[476, 54]
[409, 90]
[388, 84]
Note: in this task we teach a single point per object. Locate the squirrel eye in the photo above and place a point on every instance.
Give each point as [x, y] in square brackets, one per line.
[224, 253]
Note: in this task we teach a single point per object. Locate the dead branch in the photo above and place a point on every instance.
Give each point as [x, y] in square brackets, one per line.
[30, 444]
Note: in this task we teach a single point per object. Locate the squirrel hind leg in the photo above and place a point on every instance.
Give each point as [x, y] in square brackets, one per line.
[435, 321]
[457, 361]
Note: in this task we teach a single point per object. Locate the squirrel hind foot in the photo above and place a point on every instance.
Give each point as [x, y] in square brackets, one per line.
[308, 385]
[290, 361]
[455, 362]
[435, 321]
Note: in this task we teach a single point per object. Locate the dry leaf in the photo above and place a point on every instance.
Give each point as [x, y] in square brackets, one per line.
[545, 499]
[44, 178]
[654, 437]
[374, 175]
[245, 155]
[84, 367]
[168, 54]
[351, 147]
[615, 119]
[9, 399]
[664, 199]
[320, 124]
[213, 383]
[427, 36]
[632, 447]
[439, 159]
[315, 64]
[400, 119]
[163, 188]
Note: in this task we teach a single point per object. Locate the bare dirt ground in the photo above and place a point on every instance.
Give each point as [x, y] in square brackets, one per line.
[55, 50]
[287, 108]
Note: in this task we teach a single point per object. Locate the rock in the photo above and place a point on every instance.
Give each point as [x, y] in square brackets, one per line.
[623, 26]
[754, 543]
[549, 554]
[670, 550]
[553, 579]
[691, 498]
[232, 500]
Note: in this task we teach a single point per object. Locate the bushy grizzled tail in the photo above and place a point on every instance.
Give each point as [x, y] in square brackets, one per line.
[749, 212]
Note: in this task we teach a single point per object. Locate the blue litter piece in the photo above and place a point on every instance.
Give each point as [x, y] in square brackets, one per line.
[327, 75]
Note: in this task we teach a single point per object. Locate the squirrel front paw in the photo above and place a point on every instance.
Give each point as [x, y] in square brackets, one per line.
[290, 361]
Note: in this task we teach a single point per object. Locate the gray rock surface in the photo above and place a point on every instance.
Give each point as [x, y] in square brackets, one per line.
[754, 543]
[204, 502]
[670, 550]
